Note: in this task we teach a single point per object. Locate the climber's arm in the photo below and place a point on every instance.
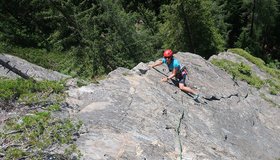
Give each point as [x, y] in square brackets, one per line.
[157, 63]
[173, 74]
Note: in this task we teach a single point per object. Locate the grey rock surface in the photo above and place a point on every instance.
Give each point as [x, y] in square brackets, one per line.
[132, 115]
[32, 70]
[260, 73]
[239, 59]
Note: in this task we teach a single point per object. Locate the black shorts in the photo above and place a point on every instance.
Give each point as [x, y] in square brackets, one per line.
[182, 79]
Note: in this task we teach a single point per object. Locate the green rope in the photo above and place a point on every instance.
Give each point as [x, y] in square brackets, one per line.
[178, 134]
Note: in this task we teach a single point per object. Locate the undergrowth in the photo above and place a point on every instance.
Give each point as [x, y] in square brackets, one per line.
[35, 133]
[29, 92]
[63, 62]
[37, 136]
[257, 61]
[239, 71]
[273, 82]
[269, 100]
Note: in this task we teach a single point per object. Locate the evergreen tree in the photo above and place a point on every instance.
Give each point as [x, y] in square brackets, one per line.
[106, 34]
[190, 26]
[22, 24]
[108, 37]
[100, 33]
[256, 36]
[274, 47]
[235, 18]
[152, 5]
[220, 14]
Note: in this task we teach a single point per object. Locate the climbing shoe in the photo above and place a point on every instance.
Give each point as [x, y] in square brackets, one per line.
[196, 96]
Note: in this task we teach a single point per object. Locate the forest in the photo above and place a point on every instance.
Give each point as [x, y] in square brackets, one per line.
[89, 38]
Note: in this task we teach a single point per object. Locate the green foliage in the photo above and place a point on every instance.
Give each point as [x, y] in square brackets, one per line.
[257, 61]
[23, 26]
[54, 60]
[269, 100]
[274, 85]
[274, 81]
[257, 33]
[190, 26]
[91, 38]
[27, 90]
[106, 36]
[244, 69]
[234, 18]
[239, 71]
[14, 153]
[35, 134]
[115, 41]
[54, 107]
[100, 35]
[275, 64]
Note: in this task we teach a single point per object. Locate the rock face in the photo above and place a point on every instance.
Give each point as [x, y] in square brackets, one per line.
[132, 115]
[37, 72]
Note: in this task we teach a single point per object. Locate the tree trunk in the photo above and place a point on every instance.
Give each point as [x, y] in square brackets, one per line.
[253, 18]
[15, 70]
[186, 21]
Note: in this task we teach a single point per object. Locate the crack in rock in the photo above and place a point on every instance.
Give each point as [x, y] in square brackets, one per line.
[215, 98]
[178, 134]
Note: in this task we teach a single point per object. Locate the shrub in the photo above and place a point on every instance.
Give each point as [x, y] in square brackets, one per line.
[62, 62]
[257, 61]
[274, 82]
[36, 135]
[239, 71]
[244, 69]
[26, 89]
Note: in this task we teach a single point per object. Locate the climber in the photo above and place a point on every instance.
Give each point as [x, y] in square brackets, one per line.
[179, 73]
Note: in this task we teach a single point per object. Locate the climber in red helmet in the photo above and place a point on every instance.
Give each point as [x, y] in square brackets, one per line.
[179, 73]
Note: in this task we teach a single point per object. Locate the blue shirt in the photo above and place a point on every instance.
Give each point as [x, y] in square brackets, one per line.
[174, 64]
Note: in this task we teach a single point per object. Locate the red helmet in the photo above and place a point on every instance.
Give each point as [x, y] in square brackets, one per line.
[168, 53]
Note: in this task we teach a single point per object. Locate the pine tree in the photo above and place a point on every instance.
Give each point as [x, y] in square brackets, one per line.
[190, 26]
[21, 24]
[107, 36]
[261, 20]
[235, 18]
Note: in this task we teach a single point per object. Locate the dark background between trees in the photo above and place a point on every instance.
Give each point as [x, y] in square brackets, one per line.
[106, 34]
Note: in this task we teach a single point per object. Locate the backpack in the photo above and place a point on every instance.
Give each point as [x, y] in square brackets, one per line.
[183, 71]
